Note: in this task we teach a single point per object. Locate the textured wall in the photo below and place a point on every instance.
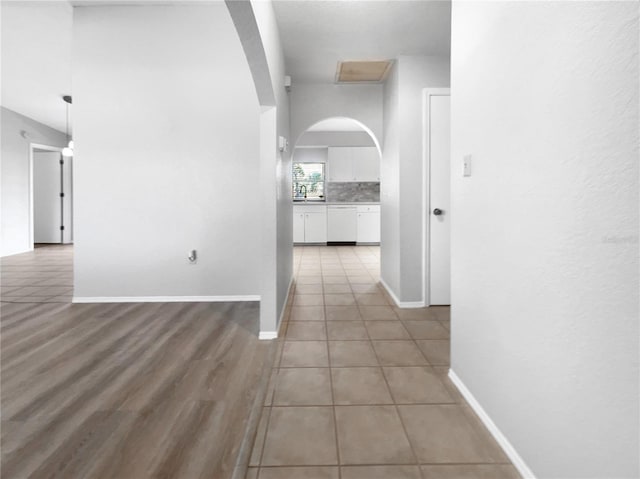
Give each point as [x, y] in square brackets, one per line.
[545, 232]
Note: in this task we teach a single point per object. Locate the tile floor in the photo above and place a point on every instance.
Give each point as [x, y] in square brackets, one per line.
[44, 275]
[359, 389]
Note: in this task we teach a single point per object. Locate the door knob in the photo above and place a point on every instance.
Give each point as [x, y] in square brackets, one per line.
[437, 212]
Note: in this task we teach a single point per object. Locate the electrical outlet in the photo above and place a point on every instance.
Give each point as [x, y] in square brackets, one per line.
[192, 256]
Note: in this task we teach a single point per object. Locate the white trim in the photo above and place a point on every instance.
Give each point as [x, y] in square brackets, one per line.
[264, 335]
[163, 299]
[33, 146]
[501, 439]
[427, 93]
[401, 304]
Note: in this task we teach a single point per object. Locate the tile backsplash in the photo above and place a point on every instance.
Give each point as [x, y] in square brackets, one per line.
[353, 192]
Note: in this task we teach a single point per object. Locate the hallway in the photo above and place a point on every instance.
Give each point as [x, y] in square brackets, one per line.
[359, 388]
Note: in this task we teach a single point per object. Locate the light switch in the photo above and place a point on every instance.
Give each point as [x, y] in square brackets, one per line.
[466, 168]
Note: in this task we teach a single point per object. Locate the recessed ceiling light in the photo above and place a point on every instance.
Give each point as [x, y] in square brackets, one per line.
[363, 71]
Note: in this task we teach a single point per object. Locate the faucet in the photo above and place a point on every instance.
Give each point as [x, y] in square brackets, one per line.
[305, 191]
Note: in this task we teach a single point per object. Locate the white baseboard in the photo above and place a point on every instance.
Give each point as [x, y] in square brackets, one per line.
[501, 439]
[401, 304]
[164, 299]
[268, 335]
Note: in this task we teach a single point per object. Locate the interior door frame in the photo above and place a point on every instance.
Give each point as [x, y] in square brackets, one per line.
[32, 148]
[427, 93]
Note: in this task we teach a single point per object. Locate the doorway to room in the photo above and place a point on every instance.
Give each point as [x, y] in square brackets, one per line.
[336, 184]
[51, 196]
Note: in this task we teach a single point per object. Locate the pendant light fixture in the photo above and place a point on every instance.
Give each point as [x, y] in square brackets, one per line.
[68, 150]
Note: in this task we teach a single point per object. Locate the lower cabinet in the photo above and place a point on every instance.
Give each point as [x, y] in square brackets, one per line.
[309, 224]
[368, 221]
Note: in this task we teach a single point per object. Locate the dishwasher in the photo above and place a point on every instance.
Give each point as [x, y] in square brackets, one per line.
[342, 224]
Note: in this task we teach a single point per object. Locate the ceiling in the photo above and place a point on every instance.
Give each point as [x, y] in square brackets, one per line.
[316, 34]
[36, 60]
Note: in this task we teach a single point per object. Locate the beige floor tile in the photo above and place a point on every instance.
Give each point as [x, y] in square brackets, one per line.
[373, 313]
[308, 300]
[399, 353]
[256, 453]
[299, 473]
[416, 385]
[380, 472]
[309, 279]
[343, 330]
[426, 330]
[342, 313]
[361, 279]
[252, 473]
[307, 313]
[371, 435]
[414, 313]
[386, 330]
[304, 354]
[344, 299]
[299, 436]
[352, 354]
[309, 289]
[273, 377]
[435, 350]
[337, 289]
[303, 387]
[443, 374]
[360, 386]
[371, 299]
[441, 313]
[367, 288]
[444, 434]
[475, 471]
[335, 279]
[306, 330]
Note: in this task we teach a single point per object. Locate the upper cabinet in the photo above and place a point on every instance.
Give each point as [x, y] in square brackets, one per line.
[353, 164]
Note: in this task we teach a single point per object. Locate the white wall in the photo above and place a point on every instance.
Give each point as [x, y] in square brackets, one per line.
[402, 173]
[167, 148]
[311, 103]
[335, 138]
[545, 233]
[311, 155]
[277, 212]
[14, 173]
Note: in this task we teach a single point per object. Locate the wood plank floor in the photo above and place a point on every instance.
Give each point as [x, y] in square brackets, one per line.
[126, 390]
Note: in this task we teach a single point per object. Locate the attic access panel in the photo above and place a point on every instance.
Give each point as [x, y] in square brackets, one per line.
[362, 71]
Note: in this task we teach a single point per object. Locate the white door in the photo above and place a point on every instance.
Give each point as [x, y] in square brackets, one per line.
[439, 201]
[369, 227]
[47, 182]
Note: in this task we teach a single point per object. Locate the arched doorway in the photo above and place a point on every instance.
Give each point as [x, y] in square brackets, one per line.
[336, 184]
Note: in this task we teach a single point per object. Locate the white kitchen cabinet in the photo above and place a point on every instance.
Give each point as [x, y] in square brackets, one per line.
[360, 163]
[309, 224]
[298, 226]
[366, 164]
[340, 164]
[368, 222]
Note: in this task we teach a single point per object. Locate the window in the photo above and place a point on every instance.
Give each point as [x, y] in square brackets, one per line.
[308, 181]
